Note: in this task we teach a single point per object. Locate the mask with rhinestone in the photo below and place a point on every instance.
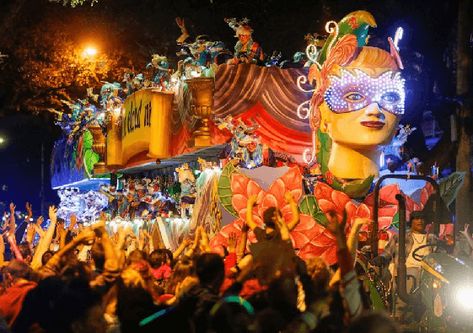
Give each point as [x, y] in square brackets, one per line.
[352, 92]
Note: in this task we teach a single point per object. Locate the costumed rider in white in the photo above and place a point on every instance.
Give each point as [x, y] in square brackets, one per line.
[416, 237]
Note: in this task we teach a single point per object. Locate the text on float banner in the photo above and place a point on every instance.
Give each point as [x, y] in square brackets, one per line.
[145, 127]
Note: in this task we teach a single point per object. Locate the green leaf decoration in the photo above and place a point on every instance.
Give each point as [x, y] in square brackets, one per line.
[375, 297]
[90, 158]
[309, 206]
[88, 140]
[450, 186]
[358, 189]
[396, 220]
[323, 150]
[225, 190]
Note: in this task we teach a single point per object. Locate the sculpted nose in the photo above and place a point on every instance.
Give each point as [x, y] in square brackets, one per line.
[374, 110]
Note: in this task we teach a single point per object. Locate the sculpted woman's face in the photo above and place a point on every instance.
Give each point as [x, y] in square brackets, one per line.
[362, 107]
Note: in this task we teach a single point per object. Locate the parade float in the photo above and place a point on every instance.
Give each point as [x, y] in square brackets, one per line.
[189, 147]
[77, 168]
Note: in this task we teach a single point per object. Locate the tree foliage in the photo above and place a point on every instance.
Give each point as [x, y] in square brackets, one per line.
[75, 3]
[46, 64]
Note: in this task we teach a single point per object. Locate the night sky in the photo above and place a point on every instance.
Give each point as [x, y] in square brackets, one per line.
[138, 28]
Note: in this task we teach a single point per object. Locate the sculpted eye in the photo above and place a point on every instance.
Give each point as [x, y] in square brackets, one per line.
[354, 97]
[391, 97]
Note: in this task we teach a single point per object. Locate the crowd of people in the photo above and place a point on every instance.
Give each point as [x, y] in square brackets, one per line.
[71, 278]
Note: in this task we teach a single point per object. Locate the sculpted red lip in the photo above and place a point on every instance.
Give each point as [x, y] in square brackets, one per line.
[373, 124]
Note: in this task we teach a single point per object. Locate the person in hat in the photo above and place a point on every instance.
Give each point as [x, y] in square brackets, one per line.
[246, 49]
[416, 237]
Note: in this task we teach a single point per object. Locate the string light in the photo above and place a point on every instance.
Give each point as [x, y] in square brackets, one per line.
[381, 160]
[303, 110]
[352, 92]
[309, 155]
[312, 53]
[398, 36]
[332, 28]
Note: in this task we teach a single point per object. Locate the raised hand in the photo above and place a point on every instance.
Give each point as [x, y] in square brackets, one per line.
[12, 208]
[334, 225]
[465, 231]
[73, 220]
[29, 208]
[181, 23]
[39, 221]
[53, 213]
[232, 241]
[61, 231]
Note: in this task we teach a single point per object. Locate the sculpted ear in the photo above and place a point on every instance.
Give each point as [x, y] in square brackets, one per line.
[394, 53]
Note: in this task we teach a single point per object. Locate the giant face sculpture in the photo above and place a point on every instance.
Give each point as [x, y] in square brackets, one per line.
[358, 102]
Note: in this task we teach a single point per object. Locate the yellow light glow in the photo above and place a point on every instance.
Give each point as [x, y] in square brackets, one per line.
[90, 51]
[2, 140]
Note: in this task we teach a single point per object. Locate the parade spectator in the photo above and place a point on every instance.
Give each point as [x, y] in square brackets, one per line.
[17, 277]
[267, 287]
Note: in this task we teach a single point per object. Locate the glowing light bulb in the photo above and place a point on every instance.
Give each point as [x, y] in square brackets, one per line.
[90, 51]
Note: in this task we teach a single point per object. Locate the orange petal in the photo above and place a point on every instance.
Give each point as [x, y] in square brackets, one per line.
[388, 193]
[307, 223]
[340, 199]
[252, 188]
[330, 255]
[326, 206]
[277, 189]
[387, 211]
[363, 211]
[323, 240]
[299, 239]
[293, 179]
[239, 201]
[239, 183]
[269, 200]
[322, 191]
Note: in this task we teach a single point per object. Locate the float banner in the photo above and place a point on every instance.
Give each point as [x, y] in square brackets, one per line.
[146, 125]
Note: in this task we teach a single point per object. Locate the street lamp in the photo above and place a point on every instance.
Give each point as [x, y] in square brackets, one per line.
[89, 52]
